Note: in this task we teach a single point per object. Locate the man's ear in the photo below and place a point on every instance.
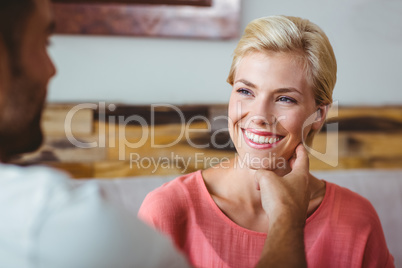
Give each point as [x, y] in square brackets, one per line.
[321, 115]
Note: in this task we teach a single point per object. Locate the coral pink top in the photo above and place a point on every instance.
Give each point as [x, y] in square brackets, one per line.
[344, 231]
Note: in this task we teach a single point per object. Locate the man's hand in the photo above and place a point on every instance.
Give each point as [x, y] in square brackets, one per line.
[285, 200]
[288, 194]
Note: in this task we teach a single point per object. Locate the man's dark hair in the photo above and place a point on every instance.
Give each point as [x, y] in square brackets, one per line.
[13, 18]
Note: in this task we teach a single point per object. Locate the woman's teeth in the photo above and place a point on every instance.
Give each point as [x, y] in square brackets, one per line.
[261, 139]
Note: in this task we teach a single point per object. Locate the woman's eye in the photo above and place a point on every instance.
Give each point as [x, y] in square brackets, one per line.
[286, 99]
[244, 92]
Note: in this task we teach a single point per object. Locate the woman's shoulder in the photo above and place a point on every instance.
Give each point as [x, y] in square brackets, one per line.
[351, 204]
[172, 199]
[177, 187]
[347, 195]
[351, 220]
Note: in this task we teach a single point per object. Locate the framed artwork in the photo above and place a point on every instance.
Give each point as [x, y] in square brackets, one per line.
[202, 19]
[147, 2]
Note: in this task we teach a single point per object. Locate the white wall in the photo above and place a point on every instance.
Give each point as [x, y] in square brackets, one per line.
[366, 36]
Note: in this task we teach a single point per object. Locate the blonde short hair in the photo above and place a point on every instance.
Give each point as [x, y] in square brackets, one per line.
[292, 35]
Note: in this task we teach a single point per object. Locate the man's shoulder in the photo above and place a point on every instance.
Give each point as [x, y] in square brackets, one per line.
[13, 174]
[29, 184]
[44, 193]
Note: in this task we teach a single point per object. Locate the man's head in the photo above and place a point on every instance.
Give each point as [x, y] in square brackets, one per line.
[25, 70]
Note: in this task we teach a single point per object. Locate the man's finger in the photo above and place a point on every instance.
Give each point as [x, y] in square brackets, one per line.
[300, 162]
[262, 175]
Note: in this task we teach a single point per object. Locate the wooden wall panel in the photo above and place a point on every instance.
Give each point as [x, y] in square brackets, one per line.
[376, 143]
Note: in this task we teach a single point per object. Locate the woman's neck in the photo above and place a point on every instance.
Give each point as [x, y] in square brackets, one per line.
[236, 182]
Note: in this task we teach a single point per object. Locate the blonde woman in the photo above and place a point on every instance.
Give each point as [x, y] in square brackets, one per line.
[283, 75]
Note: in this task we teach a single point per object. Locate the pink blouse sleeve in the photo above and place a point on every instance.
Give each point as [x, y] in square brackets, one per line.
[166, 209]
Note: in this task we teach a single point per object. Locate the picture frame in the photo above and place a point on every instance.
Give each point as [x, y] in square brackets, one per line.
[200, 19]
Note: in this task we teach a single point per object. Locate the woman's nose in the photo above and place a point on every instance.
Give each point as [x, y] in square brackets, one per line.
[263, 114]
[264, 120]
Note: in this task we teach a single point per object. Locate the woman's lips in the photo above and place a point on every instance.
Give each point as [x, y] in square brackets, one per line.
[261, 139]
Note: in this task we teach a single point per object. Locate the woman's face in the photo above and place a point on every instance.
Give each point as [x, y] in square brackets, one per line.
[270, 101]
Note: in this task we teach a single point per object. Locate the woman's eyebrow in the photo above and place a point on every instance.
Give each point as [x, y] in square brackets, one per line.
[287, 90]
[247, 83]
[279, 90]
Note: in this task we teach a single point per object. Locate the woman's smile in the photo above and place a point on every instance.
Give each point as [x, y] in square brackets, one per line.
[260, 139]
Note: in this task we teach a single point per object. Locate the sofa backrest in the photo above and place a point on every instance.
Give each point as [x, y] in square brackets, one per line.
[382, 187]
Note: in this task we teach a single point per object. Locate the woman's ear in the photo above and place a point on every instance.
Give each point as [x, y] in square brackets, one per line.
[321, 115]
